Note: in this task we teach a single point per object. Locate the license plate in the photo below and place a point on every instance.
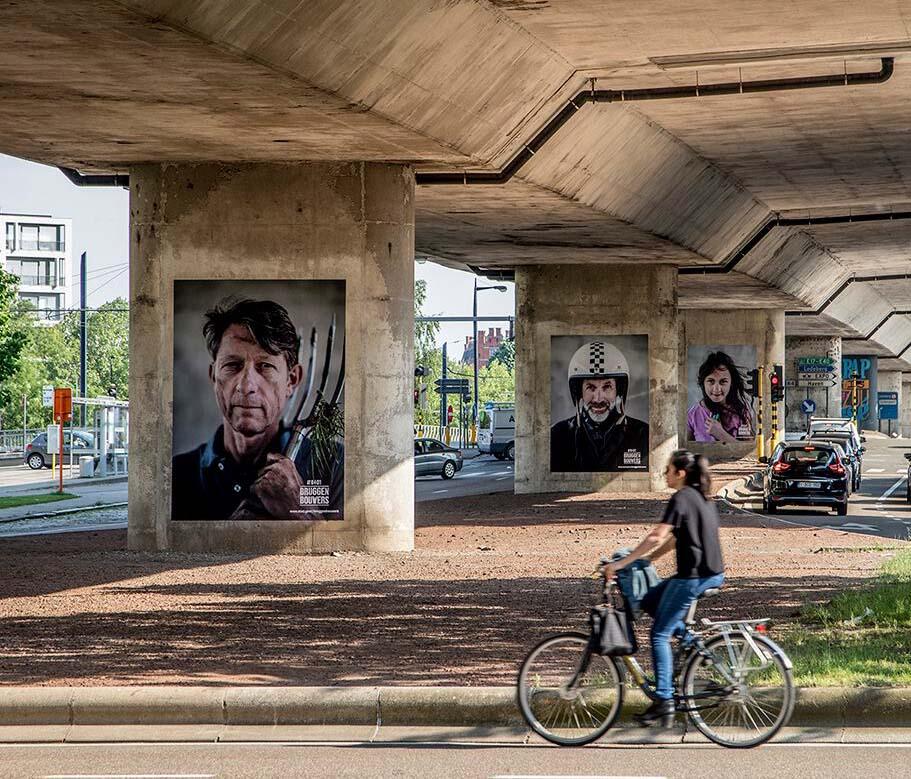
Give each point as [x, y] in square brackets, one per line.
[807, 485]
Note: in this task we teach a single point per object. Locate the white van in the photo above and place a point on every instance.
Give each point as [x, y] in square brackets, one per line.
[497, 430]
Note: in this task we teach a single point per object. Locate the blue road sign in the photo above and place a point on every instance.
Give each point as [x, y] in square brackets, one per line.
[887, 404]
[808, 406]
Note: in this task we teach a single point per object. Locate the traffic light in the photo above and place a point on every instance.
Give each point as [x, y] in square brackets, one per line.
[417, 397]
[753, 382]
[419, 371]
[776, 384]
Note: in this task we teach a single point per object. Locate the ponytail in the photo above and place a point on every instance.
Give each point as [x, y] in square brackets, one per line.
[697, 470]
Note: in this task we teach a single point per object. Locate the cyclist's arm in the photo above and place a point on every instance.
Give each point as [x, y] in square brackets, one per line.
[656, 541]
[663, 549]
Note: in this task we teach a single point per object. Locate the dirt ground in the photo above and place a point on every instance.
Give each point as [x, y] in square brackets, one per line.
[488, 578]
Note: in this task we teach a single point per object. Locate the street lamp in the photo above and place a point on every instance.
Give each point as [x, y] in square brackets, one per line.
[474, 325]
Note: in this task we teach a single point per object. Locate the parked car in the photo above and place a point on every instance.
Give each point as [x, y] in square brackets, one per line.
[807, 473]
[854, 451]
[835, 425]
[497, 430]
[434, 458]
[36, 456]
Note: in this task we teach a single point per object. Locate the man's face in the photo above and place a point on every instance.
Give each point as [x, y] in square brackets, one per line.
[717, 385]
[251, 385]
[598, 396]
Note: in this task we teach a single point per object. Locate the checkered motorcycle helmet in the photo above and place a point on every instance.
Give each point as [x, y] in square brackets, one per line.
[597, 360]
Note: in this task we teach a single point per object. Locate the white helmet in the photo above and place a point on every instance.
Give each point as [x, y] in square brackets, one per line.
[598, 360]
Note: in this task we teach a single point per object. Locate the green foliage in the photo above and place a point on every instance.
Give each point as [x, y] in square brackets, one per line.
[50, 356]
[505, 354]
[14, 501]
[13, 334]
[861, 637]
[425, 333]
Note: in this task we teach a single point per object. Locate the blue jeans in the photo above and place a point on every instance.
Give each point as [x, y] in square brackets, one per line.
[668, 603]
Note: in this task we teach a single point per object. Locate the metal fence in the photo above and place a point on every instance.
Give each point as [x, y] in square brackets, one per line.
[451, 435]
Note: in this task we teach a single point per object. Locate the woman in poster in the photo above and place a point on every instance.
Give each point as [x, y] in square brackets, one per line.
[724, 414]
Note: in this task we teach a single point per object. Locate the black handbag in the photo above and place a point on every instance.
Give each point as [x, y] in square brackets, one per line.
[612, 630]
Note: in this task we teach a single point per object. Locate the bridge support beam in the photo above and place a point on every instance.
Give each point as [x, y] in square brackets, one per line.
[238, 224]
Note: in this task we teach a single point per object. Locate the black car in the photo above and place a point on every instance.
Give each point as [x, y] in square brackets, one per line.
[853, 449]
[807, 473]
[434, 458]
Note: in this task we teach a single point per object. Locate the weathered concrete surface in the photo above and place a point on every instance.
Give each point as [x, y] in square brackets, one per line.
[349, 221]
[904, 410]
[763, 329]
[580, 300]
[827, 399]
[890, 381]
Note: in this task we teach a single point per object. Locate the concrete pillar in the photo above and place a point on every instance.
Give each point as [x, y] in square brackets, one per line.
[751, 337]
[890, 381]
[593, 300]
[827, 399]
[351, 221]
[904, 407]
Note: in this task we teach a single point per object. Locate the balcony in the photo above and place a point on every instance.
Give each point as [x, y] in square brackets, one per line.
[42, 246]
[39, 281]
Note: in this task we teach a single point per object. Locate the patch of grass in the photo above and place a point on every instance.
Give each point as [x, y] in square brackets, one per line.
[861, 637]
[13, 501]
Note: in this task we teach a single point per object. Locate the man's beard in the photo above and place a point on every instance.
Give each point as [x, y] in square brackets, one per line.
[599, 417]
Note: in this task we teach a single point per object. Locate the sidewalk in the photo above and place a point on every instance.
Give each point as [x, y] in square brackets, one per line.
[92, 493]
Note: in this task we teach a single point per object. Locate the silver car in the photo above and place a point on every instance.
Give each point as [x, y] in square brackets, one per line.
[36, 456]
[434, 458]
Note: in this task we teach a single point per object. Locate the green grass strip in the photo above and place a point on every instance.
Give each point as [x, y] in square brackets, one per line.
[860, 638]
[13, 501]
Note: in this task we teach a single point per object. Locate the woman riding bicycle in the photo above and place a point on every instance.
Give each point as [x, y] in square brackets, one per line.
[690, 524]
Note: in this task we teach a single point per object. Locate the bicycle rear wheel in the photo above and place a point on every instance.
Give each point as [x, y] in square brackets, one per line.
[567, 694]
[753, 707]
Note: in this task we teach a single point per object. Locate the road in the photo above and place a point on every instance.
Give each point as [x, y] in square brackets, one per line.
[879, 507]
[448, 759]
[479, 476]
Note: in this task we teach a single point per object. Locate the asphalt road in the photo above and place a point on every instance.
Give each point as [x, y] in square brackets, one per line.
[879, 507]
[479, 476]
[462, 759]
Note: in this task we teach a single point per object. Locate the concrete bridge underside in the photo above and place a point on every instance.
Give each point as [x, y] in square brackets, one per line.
[770, 198]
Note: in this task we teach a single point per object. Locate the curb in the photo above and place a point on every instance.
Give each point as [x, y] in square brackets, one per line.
[388, 706]
[64, 512]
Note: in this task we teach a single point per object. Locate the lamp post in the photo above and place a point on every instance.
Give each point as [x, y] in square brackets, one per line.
[474, 325]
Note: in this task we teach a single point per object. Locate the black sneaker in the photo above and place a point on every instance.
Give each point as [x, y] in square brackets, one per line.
[661, 712]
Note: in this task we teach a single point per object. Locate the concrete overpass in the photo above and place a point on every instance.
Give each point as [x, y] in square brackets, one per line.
[741, 168]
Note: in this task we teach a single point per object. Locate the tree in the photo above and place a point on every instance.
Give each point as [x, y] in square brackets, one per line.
[13, 334]
[505, 354]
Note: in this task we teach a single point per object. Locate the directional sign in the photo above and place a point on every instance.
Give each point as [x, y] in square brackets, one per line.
[47, 396]
[451, 386]
[814, 375]
[887, 405]
[807, 406]
[814, 368]
[862, 384]
[790, 382]
[815, 383]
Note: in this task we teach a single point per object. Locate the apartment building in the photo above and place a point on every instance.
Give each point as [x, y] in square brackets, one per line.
[38, 249]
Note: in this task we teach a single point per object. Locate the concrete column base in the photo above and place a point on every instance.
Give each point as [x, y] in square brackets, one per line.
[595, 300]
[351, 221]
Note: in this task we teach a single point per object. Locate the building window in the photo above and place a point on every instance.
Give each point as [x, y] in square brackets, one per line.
[10, 236]
[45, 238]
[46, 306]
[38, 272]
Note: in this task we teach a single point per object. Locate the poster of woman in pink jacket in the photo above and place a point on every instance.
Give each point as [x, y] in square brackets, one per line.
[721, 409]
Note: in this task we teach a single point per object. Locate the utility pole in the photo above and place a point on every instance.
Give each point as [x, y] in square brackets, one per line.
[83, 334]
[443, 405]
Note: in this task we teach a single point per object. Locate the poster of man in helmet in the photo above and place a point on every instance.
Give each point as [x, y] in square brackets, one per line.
[599, 403]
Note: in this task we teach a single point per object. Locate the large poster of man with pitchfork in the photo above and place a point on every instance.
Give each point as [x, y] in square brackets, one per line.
[259, 371]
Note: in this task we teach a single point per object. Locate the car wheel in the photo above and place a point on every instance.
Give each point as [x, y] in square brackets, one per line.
[449, 470]
[842, 509]
[499, 455]
[511, 452]
[35, 461]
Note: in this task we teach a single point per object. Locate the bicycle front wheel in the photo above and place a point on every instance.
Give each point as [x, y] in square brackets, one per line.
[567, 694]
[742, 693]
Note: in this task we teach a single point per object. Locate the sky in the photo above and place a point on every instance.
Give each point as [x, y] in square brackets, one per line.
[101, 229]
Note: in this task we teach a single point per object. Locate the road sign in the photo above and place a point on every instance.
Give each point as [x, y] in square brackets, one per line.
[47, 396]
[807, 406]
[816, 383]
[814, 375]
[887, 405]
[790, 382]
[862, 384]
[63, 404]
[815, 360]
[814, 367]
[451, 386]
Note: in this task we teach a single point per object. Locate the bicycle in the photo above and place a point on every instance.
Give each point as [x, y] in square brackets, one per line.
[730, 680]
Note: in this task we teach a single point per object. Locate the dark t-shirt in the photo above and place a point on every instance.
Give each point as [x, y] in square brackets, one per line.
[695, 523]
